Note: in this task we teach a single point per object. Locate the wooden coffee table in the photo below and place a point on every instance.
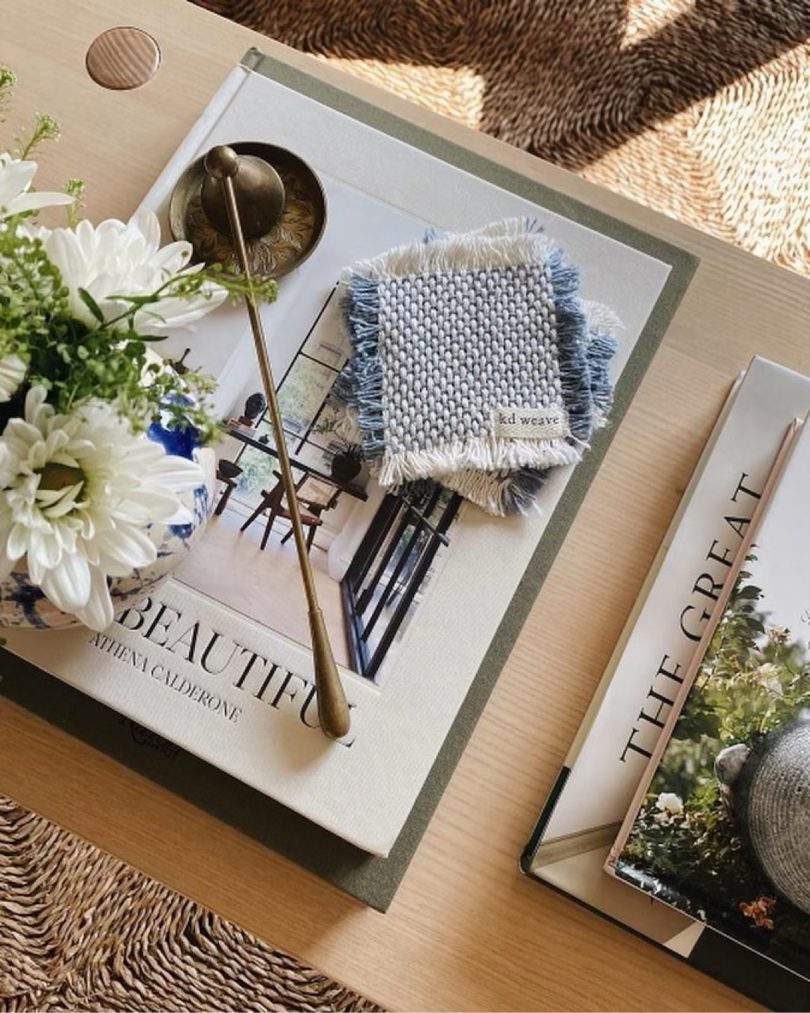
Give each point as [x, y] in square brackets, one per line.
[466, 931]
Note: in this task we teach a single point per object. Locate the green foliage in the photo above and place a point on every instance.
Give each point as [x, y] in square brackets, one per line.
[7, 81]
[74, 188]
[75, 362]
[109, 361]
[31, 293]
[238, 286]
[45, 128]
[754, 678]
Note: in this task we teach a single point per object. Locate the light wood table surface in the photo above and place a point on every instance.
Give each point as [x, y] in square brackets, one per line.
[466, 930]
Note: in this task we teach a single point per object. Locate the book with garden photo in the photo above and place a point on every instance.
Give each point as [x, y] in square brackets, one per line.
[723, 826]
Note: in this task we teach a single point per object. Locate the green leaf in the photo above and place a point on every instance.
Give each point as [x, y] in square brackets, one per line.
[91, 304]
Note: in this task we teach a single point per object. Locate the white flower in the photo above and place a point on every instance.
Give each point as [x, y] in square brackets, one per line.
[669, 803]
[670, 808]
[767, 675]
[78, 492]
[16, 177]
[778, 634]
[116, 259]
[12, 374]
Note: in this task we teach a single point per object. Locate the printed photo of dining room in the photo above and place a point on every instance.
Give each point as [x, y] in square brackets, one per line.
[373, 554]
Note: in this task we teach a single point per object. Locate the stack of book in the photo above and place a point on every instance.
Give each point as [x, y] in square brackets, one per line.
[207, 683]
[683, 808]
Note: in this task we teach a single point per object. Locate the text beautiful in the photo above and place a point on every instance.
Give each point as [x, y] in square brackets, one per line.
[214, 654]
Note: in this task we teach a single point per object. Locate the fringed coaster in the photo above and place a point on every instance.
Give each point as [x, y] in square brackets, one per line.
[475, 362]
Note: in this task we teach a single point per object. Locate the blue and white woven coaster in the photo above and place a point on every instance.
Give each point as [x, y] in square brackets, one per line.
[475, 362]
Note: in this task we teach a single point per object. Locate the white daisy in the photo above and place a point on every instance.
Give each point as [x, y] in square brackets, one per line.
[78, 494]
[12, 374]
[117, 259]
[16, 176]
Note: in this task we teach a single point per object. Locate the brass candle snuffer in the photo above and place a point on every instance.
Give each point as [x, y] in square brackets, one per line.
[245, 190]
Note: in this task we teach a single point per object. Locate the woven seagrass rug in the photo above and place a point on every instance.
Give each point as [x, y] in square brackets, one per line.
[698, 108]
[80, 930]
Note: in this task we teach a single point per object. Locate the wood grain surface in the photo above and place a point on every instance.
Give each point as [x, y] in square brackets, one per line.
[466, 931]
[122, 58]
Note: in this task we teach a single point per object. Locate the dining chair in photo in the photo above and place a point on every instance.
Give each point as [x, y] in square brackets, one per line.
[227, 472]
[314, 497]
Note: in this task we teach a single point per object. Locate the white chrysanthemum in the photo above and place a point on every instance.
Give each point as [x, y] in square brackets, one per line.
[16, 176]
[78, 494]
[12, 374]
[117, 259]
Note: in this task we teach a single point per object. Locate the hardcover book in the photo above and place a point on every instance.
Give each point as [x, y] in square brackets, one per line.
[595, 787]
[720, 827]
[216, 662]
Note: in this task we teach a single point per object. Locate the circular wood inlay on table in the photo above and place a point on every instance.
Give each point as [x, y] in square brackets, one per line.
[122, 58]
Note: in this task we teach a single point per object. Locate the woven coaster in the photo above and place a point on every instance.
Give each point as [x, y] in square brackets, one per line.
[475, 362]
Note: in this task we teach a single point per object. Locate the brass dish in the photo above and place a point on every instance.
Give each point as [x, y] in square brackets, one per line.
[285, 246]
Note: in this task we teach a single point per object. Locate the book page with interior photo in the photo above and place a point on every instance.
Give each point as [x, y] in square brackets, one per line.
[217, 659]
[722, 830]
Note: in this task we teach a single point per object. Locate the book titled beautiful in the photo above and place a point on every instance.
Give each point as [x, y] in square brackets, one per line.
[720, 826]
[415, 594]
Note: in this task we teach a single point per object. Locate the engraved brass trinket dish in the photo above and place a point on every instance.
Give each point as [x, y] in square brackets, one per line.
[285, 245]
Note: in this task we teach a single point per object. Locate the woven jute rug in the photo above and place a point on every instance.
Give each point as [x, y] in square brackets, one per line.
[80, 930]
[699, 108]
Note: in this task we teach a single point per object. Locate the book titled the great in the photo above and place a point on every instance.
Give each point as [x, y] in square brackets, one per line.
[722, 831]
[594, 789]
[631, 705]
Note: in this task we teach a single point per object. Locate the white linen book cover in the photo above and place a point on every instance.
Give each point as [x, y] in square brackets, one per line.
[217, 660]
[609, 756]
